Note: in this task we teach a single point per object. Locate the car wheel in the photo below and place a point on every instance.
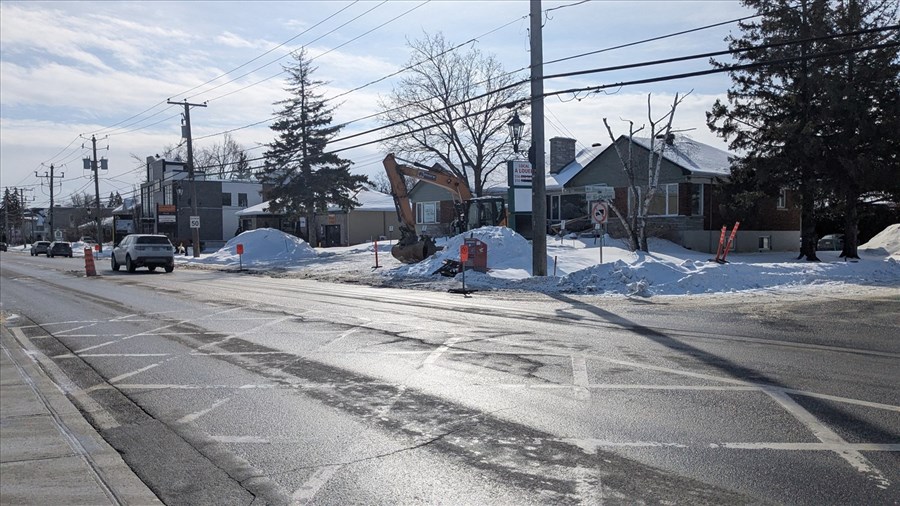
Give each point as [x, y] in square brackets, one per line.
[170, 268]
[114, 264]
[49, 255]
[151, 268]
[129, 264]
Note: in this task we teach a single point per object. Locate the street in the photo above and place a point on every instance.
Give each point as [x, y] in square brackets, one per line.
[228, 388]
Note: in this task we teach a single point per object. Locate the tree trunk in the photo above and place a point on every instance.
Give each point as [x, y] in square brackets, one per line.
[851, 223]
[807, 218]
[312, 230]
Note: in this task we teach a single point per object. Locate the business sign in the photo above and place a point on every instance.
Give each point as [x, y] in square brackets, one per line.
[521, 173]
[599, 192]
[167, 218]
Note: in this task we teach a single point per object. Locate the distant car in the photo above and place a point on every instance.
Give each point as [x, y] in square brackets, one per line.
[831, 242]
[143, 250]
[59, 248]
[40, 248]
[3, 246]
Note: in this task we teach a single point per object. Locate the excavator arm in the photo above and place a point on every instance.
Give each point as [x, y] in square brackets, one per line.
[411, 247]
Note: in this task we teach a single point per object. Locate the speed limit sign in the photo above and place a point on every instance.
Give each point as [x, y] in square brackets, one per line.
[195, 222]
[599, 212]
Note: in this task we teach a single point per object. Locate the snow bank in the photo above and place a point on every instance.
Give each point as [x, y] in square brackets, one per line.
[263, 247]
[887, 242]
[505, 250]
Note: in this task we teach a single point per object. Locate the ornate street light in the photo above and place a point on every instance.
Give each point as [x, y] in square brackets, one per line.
[515, 126]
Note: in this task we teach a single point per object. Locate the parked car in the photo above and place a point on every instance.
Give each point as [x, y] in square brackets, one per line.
[144, 250]
[3, 246]
[59, 248]
[40, 248]
[831, 242]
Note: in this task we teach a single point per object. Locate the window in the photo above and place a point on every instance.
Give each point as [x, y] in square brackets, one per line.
[665, 200]
[696, 200]
[426, 212]
[242, 200]
[167, 195]
[226, 199]
[782, 199]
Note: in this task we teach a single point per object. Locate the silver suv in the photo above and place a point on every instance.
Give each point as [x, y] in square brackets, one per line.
[144, 250]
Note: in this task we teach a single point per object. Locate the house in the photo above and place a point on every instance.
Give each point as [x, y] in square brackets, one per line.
[166, 203]
[687, 207]
[374, 219]
[434, 208]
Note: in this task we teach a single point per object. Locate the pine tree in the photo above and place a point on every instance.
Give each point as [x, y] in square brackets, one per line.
[772, 115]
[305, 178]
[862, 112]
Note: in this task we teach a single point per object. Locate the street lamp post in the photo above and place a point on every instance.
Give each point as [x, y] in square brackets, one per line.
[515, 125]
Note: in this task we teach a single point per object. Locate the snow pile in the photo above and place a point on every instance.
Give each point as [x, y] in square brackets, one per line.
[887, 242]
[506, 251]
[263, 247]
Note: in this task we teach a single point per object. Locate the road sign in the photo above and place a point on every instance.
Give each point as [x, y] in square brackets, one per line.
[599, 212]
[599, 192]
[195, 222]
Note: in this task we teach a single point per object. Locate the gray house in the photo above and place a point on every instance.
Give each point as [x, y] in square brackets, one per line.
[687, 207]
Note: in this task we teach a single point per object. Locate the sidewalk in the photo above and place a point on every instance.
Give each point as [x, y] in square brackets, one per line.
[49, 454]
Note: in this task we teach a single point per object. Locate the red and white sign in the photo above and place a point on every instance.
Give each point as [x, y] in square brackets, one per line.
[522, 173]
[599, 212]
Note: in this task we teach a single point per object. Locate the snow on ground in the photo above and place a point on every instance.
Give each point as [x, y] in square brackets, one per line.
[573, 265]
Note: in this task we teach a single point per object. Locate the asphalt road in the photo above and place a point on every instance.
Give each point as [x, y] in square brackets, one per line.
[228, 388]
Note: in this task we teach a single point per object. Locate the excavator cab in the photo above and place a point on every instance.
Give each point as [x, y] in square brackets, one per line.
[485, 212]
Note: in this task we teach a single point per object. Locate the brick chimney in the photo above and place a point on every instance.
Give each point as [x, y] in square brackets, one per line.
[562, 151]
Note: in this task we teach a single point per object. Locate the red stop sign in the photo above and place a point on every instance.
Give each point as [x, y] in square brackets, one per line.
[463, 253]
[240, 249]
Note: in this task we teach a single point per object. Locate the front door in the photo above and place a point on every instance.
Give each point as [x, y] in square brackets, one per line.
[332, 236]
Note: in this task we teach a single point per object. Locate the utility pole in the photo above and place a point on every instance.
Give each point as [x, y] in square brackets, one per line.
[538, 186]
[52, 185]
[186, 133]
[94, 166]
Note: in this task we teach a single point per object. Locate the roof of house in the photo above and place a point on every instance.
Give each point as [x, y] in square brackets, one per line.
[697, 158]
[585, 156]
[369, 200]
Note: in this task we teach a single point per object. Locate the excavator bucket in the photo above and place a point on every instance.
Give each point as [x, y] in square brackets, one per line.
[415, 252]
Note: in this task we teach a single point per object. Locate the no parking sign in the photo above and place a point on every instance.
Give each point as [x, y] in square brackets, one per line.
[599, 212]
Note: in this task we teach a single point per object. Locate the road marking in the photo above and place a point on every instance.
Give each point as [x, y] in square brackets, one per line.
[338, 338]
[846, 400]
[132, 373]
[859, 447]
[114, 355]
[311, 486]
[197, 414]
[828, 436]
[579, 372]
[254, 329]
[102, 418]
[431, 358]
[240, 439]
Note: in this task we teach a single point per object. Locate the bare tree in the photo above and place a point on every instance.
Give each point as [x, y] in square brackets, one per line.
[641, 191]
[225, 161]
[453, 108]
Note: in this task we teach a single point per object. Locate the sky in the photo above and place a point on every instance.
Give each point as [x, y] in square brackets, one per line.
[72, 70]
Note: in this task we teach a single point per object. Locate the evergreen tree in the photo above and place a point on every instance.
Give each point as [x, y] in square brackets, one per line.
[772, 110]
[305, 178]
[114, 201]
[862, 113]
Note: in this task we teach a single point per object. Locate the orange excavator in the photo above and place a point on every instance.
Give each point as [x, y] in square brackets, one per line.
[472, 212]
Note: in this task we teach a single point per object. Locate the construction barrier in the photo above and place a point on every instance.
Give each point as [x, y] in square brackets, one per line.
[89, 267]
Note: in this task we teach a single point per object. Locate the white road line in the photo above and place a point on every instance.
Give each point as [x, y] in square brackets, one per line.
[845, 400]
[430, 359]
[612, 386]
[254, 329]
[338, 338]
[579, 372]
[240, 439]
[828, 436]
[197, 414]
[101, 416]
[859, 447]
[158, 386]
[113, 355]
[591, 446]
[74, 329]
[310, 488]
[132, 373]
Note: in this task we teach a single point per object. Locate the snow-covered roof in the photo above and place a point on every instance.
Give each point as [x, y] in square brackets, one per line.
[585, 156]
[371, 200]
[257, 210]
[698, 158]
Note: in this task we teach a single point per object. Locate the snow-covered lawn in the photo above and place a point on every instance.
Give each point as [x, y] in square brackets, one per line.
[573, 265]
